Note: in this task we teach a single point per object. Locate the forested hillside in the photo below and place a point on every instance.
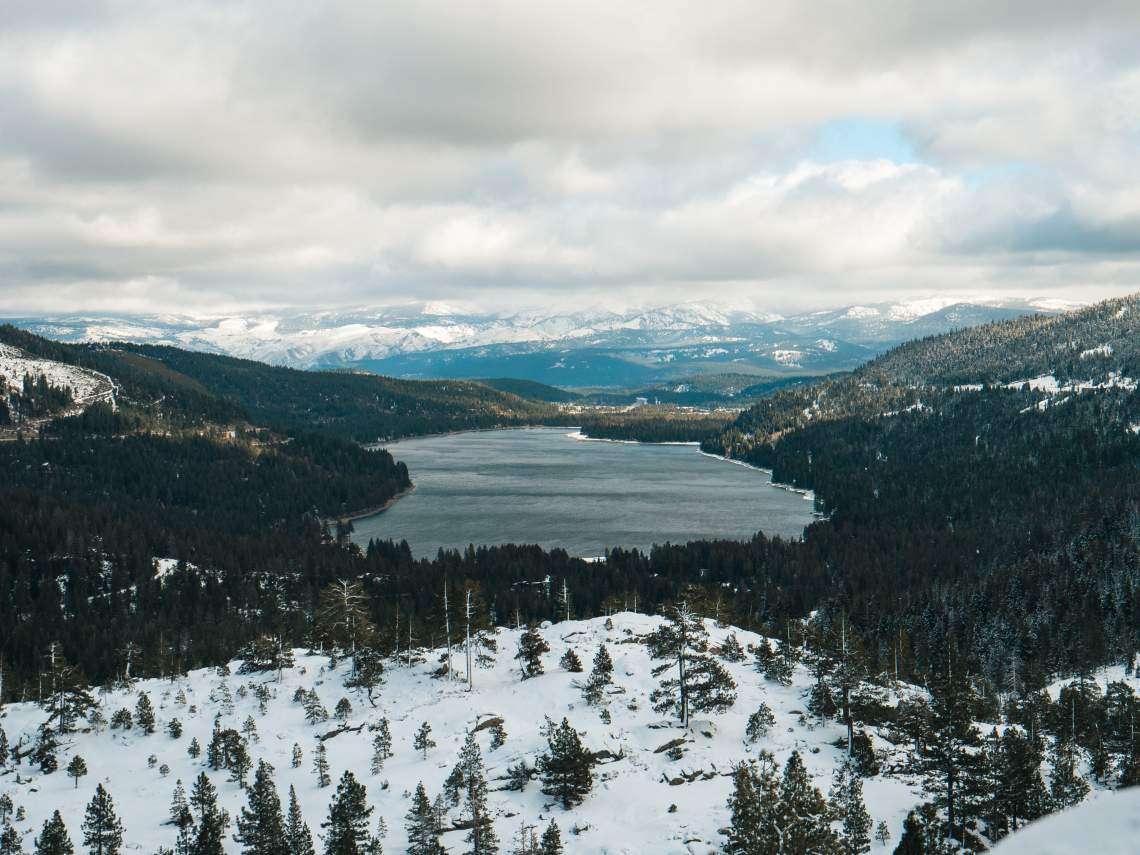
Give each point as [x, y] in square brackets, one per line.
[353, 405]
[1002, 518]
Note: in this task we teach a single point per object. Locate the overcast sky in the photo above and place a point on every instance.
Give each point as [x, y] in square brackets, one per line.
[205, 156]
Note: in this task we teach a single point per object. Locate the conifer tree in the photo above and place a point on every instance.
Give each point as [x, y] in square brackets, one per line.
[194, 749]
[1021, 791]
[531, 647]
[179, 810]
[207, 835]
[754, 806]
[260, 826]
[321, 765]
[482, 834]
[570, 661]
[297, 834]
[381, 746]
[551, 843]
[10, 841]
[847, 804]
[947, 755]
[567, 768]
[65, 694]
[343, 710]
[144, 713]
[702, 684]
[759, 723]
[44, 752]
[804, 817]
[1066, 786]
[76, 769]
[601, 675]
[346, 829]
[102, 830]
[420, 823]
[298, 756]
[54, 839]
[422, 741]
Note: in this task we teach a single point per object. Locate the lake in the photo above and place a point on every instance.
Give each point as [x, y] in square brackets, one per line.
[542, 486]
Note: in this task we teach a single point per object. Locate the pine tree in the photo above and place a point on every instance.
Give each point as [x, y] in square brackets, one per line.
[54, 839]
[260, 826]
[570, 662]
[702, 684]
[298, 756]
[1021, 791]
[531, 647]
[804, 817]
[315, 711]
[381, 746]
[422, 741]
[913, 841]
[759, 723]
[297, 835]
[179, 810]
[238, 761]
[76, 769]
[601, 675]
[1066, 787]
[423, 837]
[44, 752]
[567, 769]
[10, 842]
[207, 835]
[321, 765]
[65, 694]
[882, 833]
[102, 830]
[482, 834]
[346, 829]
[144, 713]
[194, 749]
[947, 757]
[754, 806]
[343, 710]
[847, 804]
[551, 843]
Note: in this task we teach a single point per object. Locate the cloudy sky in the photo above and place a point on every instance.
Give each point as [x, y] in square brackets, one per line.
[204, 156]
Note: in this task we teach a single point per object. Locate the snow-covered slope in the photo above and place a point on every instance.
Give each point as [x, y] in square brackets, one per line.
[630, 809]
[1108, 823]
[87, 387]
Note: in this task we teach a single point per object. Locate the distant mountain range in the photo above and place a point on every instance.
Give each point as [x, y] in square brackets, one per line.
[579, 349]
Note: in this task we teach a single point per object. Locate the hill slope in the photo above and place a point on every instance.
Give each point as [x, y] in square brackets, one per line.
[352, 405]
[628, 810]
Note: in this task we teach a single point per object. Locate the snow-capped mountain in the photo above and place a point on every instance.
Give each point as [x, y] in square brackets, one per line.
[596, 346]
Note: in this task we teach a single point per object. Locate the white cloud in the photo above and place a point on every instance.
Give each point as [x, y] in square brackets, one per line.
[200, 153]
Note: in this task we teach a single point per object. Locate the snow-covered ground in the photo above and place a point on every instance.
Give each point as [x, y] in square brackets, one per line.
[630, 810]
[1107, 825]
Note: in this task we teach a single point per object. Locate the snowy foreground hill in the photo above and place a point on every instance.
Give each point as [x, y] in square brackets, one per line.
[1108, 825]
[643, 800]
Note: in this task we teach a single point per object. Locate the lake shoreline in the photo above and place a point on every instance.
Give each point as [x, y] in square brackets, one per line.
[370, 512]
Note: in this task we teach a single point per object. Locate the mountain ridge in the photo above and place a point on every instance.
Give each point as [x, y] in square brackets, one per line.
[639, 346]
